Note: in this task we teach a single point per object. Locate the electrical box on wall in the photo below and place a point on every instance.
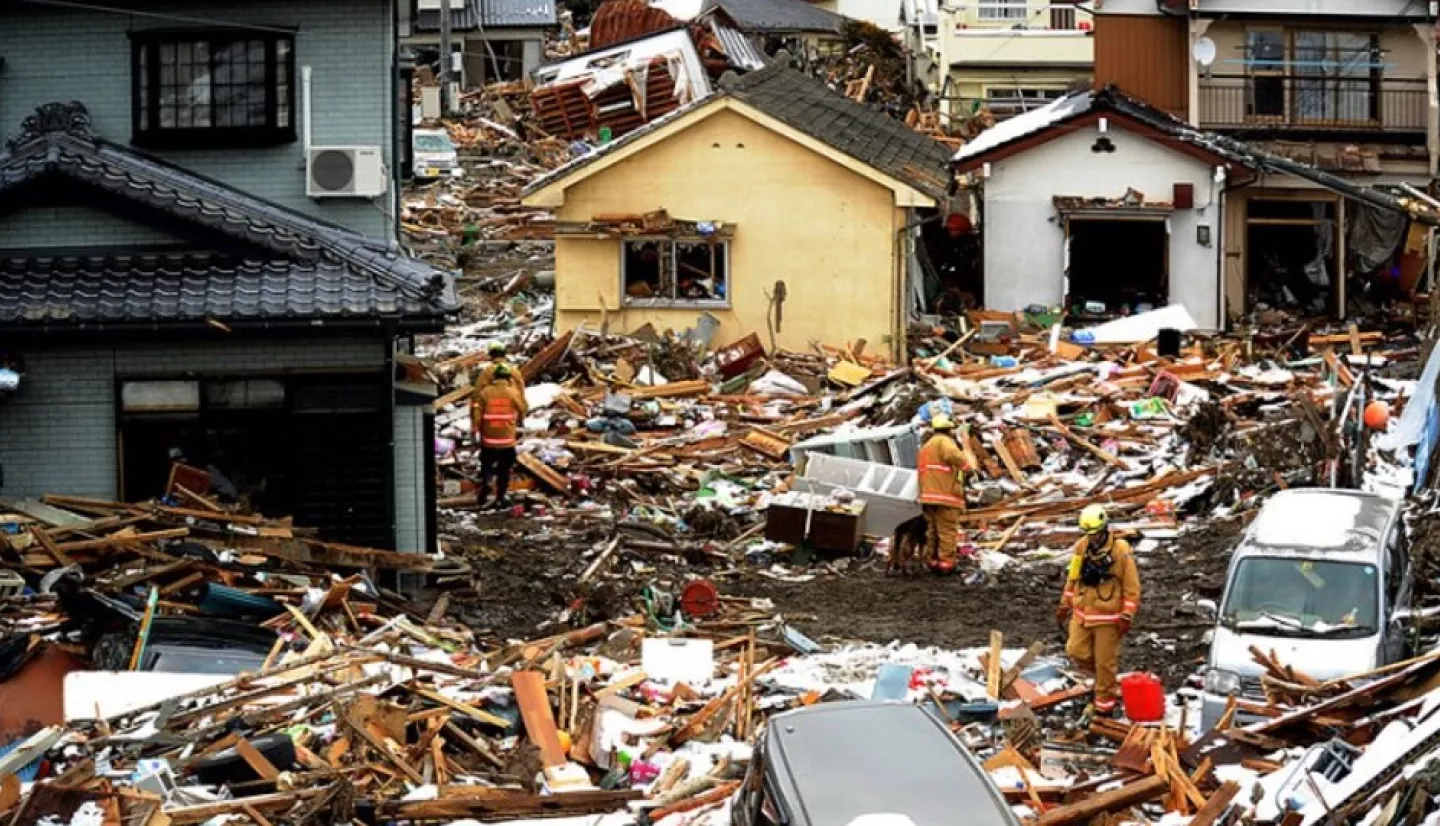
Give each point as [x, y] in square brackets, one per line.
[1184, 196]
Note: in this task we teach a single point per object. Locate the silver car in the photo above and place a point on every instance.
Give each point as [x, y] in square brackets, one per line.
[1322, 578]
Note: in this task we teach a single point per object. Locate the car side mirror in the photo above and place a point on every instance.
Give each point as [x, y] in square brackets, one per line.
[1402, 615]
[1208, 609]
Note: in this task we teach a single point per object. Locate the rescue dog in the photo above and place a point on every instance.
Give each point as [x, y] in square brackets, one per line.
[907, 548]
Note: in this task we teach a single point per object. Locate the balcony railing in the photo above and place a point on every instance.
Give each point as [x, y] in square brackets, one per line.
[1301, 103]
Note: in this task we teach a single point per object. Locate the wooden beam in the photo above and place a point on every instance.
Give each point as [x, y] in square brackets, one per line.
[1115, 800]
[539, 719]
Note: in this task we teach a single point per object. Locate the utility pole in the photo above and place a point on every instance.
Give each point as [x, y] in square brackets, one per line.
[446, 57]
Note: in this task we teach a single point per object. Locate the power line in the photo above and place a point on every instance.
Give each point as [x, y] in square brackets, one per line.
[178, 18]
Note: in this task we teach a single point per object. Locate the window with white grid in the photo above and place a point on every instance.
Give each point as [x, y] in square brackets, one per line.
[1016, 10]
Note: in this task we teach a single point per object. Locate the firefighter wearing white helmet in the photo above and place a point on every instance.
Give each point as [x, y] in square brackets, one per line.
[942, 493]
[1101, 596]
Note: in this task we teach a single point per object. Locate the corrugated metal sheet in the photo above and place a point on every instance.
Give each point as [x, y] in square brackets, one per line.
[620, 20]
[499, 14]
[1146, 57]
[738, 48]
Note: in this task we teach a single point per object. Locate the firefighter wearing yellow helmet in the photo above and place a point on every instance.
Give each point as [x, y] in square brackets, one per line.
[942, 493]
[1101, 596]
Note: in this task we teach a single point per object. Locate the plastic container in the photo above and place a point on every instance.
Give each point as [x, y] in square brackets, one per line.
[1144, 697]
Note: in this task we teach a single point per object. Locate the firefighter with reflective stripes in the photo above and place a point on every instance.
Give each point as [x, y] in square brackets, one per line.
[495, 415]
[942, 494]
[1102, 594]
[486, 377]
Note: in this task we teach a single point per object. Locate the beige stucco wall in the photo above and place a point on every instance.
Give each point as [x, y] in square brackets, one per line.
[801, 218]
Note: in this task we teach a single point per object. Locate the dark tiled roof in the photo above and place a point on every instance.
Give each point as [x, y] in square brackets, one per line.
[498, 14]
[806, 104]
[864, 134]
[778, 16]
[186, 288]
[302, 268]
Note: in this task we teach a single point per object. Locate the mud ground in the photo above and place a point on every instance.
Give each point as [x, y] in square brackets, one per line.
[523, 576]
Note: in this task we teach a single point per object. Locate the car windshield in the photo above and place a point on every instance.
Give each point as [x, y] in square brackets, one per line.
[1303, 597]
[433, 143]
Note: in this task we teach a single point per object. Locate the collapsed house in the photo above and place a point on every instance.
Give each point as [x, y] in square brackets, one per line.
[776, 204]
[643, 64]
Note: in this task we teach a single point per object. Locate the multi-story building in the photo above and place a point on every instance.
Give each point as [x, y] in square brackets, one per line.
[1008, 56]
[1346, 85]
[199, 260]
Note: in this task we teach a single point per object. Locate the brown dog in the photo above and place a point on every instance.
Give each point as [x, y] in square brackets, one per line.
[907, 548]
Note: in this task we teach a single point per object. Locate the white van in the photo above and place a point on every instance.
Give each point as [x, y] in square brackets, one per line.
[1322, 578]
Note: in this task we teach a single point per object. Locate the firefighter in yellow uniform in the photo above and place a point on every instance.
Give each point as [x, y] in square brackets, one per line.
[942, 493]
[497, 358]
[1102, 594]
[495, 418]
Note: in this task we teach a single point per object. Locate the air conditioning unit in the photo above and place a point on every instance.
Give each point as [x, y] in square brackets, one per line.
[345, 172]
[434, 5]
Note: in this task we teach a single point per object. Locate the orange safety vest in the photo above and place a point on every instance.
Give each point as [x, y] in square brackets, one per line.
[499, 410]
[942, 468]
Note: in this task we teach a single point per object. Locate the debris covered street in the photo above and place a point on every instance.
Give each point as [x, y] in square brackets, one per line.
[730, 413]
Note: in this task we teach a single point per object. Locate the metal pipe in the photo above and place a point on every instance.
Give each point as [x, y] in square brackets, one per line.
[305, 133]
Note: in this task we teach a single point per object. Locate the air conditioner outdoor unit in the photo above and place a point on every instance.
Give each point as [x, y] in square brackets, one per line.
[345, 172]
[434, 5]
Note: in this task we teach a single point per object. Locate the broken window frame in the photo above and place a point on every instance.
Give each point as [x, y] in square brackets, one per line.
[203, 119]
[720, 270]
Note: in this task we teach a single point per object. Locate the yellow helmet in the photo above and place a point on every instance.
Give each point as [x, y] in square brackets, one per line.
[941, 422]
[1093, 519]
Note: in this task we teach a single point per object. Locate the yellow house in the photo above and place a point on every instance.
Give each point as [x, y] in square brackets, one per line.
[776, 202]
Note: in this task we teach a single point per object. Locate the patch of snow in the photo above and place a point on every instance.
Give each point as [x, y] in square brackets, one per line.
[1022, 126]
[1311, 521]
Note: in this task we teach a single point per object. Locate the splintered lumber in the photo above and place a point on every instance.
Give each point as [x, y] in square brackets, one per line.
[539, 720]
[509, 806]
[1021, 446]
[992, 668]
[700, 801]
[547, 475]
[1009, 462]
[1036, 649]
[675, 389]
[1116, 800]
[767, 443]
[280, 801]
[542, 360]
[1216, 804]
[331, 554]
[255, 760]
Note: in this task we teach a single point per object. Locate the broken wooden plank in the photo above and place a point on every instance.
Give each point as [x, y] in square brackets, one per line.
[542, 360]
[992, 668]
[1116, 800]
[255, 760]
[507, 806]
[544, 473]
[539, 719]
[1216, 804]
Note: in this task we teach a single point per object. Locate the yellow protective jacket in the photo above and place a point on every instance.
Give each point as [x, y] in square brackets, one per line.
[487, 376]
[496, 413]
[942, 472]
[1115, 597]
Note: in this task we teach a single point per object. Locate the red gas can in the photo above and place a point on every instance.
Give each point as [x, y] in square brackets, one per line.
[1144, 697]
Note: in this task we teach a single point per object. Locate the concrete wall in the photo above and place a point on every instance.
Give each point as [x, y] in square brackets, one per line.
[55, 54]
[801, 218]
[58, 431]
[1025, 239]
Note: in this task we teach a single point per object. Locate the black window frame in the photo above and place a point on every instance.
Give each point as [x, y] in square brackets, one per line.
[145, 97]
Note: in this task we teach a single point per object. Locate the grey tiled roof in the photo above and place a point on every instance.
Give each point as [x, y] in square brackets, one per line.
[498, 14]
[778, 16]
[183, 287]
[865, 134]
[806, 104]
[273, 262]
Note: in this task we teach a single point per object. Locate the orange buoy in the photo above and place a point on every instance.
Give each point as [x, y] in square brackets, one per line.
[1377, 415]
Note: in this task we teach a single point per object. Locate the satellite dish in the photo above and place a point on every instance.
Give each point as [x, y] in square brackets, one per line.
[1204, 51]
